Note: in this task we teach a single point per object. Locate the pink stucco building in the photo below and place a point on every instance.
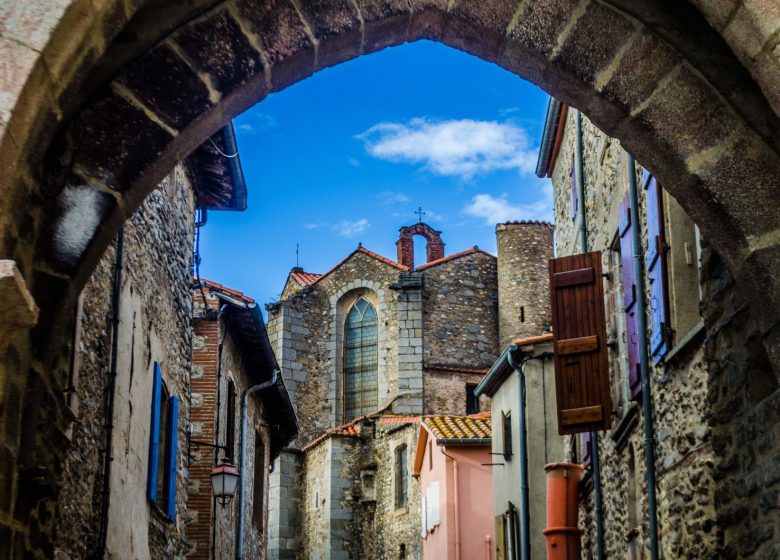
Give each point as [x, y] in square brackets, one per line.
[452, 464]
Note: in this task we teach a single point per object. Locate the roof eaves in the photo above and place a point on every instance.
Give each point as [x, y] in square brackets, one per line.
[548, 136]
[459, 254]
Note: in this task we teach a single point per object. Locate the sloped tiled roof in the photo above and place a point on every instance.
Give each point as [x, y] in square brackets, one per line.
[454, 256]
[446, 428]
[305, 278]
[209, 285]
[352, 429]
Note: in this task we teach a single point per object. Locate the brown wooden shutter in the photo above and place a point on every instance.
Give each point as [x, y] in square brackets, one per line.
[580, 338]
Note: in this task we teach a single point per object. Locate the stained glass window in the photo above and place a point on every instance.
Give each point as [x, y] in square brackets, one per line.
[360, 360]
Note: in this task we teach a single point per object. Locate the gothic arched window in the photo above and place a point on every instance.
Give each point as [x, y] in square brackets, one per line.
[360, 360]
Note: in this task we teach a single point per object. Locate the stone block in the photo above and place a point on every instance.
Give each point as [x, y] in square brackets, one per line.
[385, 23]
[16, 64]
[19, 308]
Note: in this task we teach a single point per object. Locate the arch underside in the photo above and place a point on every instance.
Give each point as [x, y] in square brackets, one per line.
[655, 76]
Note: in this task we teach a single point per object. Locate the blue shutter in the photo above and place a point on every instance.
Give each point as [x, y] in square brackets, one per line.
[625, 233]
[154, 436]
[586, 443]
[170, 484]
[656, 270]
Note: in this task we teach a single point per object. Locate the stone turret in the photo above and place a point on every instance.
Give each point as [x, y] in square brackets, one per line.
[523, 281]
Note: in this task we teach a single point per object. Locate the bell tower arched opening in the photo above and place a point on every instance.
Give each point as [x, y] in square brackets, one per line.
[434, 247]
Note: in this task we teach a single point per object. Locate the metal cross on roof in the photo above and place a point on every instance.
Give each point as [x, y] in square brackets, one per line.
[420, 213]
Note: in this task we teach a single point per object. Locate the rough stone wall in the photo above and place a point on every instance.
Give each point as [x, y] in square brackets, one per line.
[154, 326]
[306, 334]
[460, 312]
[684, 456]
[349, 497]
[396, 526]
[743, 404]
[523, 279]
[285, 504]
[445, 391]
[315, 513]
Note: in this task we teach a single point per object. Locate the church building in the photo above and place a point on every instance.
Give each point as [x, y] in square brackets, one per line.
[366, 349]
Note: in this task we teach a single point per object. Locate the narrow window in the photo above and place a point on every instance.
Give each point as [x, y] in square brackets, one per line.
[507, 425]
[632, 507]
[360, 360]
[472, 402]
[430, 455]
[163, 441]
[163, 451]
[258, 499]
[230, 424]
[401, 477]
[402, 552]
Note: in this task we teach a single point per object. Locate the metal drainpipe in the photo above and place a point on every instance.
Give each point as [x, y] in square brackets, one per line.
[522, 452]
[647, 419]
[595, 461]
[455, 504]
[116, 299]
[241, 496]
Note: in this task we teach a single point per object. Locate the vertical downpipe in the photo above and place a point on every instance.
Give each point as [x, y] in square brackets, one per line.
[595, 461]
[116, 298]
[522, 456]
[647, 418]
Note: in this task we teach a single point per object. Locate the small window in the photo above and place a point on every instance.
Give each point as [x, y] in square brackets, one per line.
[163, 440]
[430, 455]
[230, 424]
[401, 477]
[472, 402]
[258, 500]
[507, 434]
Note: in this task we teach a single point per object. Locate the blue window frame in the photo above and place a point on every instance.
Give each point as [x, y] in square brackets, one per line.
[163, 440]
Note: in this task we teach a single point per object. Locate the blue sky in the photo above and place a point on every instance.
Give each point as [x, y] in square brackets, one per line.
[348, 155]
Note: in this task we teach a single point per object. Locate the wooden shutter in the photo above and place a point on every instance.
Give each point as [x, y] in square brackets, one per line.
[230, 425]
[154, 436]
[500, 538]
[173, 440]
[574, 197]
[656, 270]
[625, 233]
[579, 329]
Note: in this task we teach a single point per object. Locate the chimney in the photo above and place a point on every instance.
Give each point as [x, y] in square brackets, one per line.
[434, 246]
[524, 249]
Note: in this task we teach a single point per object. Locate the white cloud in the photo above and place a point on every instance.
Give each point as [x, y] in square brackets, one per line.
[462, 147]
[347, 228]
[311, 225]
[389, 197]
[353, 162]
[252, 123]
[496, 209]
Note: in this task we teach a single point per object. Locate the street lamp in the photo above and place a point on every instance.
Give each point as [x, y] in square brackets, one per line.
[224, 480]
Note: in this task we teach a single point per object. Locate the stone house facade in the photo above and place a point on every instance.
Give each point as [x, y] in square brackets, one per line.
[706, 403]
[231, 354]
[124, 482]
[372, 338]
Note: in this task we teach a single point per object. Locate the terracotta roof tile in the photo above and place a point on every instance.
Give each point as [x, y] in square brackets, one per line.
[393, 419]
[476, 426]
[214, 286]
[453, 256]
[305, 278]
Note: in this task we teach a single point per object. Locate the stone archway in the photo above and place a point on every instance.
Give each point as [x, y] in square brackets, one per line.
[101, 101]
[434, 246]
